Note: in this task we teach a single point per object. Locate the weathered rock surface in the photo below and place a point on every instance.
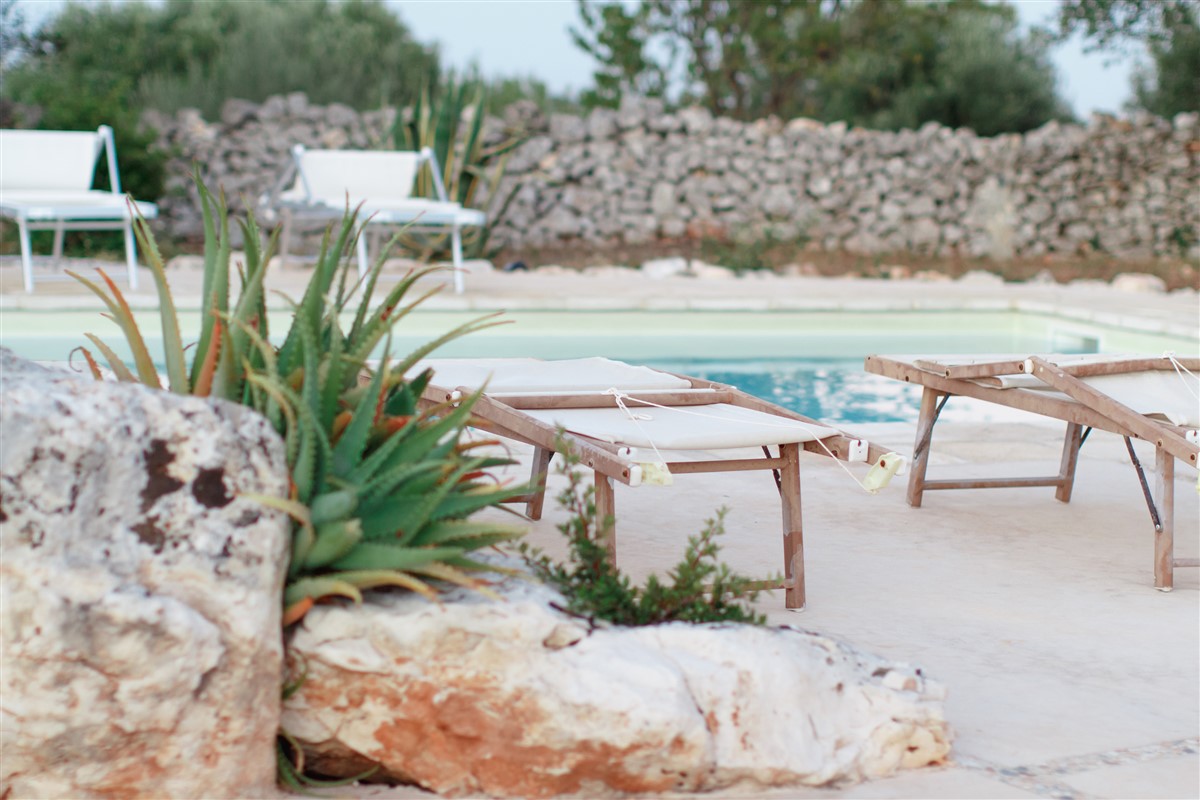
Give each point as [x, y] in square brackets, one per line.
[517, 699]
[140, 590]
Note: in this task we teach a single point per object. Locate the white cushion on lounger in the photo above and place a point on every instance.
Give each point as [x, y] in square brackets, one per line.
[508, 375]
[712, 427]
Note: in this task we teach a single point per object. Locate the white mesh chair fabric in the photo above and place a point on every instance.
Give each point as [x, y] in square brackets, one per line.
[715, 426]
[48, 161]
[711, 427]
[46, 182]
[381, 184]
[504, 375]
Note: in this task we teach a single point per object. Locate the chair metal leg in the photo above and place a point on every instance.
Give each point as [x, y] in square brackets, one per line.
[793, 527]
[285, 238]
[537, 481]
[1164, 536]
[457, 259]
[606, 515]
[1070, 460]
[131, 257]
[923, 444]
[26, 254]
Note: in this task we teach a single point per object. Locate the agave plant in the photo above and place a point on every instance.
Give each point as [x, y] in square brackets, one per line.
[381, 489]
[468, 166]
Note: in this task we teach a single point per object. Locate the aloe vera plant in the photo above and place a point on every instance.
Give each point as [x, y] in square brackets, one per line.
[381, 489]
[468, 166]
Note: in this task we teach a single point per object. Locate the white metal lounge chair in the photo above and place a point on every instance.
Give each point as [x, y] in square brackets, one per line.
[46, 184]
[1155, 399]
[619, 418]
[383, 182]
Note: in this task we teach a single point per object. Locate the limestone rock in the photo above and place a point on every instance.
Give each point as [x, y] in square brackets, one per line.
[1138, 282]
[516, 699]
[140, 589]
[664, 267]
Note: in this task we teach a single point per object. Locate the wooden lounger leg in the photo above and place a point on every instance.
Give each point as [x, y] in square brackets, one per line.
[606, 515]
[1164, 538]
[793, 526]
[923, 444]
[537, 481]
[1070, 459]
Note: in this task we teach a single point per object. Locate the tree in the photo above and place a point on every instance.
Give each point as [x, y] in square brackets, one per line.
[962, 65]
[869, 62]
[1172, 84]
[1170, 31]
[1112, 23]
[104, 63]
[618, 39]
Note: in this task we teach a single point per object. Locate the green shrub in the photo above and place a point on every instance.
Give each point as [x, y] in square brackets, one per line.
[700, 588]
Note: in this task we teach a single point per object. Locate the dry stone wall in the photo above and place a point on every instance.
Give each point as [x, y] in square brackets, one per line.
[1127, 187]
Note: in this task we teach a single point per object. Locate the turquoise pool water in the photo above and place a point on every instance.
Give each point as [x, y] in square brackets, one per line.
[809, 361]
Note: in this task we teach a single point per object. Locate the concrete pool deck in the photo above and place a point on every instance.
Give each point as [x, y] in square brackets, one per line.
[1068, 675]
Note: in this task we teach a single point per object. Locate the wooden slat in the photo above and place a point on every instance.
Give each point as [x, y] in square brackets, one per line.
[1094, 369]
[985, 370]
[1070, 460]
[1187, 562]
[1034, 402]
[991, 483]
[922, 445]
[1122, 415]
[605, 500]
[793, 526]
[1090, 368]
[1164, 538]
[732, 465]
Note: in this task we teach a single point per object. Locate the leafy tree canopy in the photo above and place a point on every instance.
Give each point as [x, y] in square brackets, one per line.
[1170, 32]
[869, 62]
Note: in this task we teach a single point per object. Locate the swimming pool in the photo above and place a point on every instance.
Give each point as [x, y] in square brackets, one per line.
[809, 361]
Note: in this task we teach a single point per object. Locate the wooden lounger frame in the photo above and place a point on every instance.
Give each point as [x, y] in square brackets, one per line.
[1082, 407]
[502, 415]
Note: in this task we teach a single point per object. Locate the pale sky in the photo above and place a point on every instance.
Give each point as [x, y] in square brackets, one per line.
[529, 38]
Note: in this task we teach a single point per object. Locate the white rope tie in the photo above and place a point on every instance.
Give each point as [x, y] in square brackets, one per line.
[1181, 370]
[620, 398]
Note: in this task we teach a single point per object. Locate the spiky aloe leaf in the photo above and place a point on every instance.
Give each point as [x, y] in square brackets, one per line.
[334, 540]
[114, 363]
[173, 355]
[334, 505]
[316, 588]
[350, 447]
[458, 531]
[215, 287]
[123, 316]
[462, 504]
[390, 556]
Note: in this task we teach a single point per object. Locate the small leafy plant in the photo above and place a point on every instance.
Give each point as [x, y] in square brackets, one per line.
[381, 487]
[700, 588]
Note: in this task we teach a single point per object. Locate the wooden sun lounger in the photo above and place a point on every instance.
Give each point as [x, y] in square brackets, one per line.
[1061, 392]
[510, 416]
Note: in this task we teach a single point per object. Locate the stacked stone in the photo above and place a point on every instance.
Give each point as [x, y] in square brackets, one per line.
[1129, 188]
[248, 150]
